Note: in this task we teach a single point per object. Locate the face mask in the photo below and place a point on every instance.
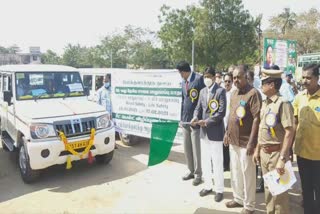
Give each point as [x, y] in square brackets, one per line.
[208, 82]
[107, 85]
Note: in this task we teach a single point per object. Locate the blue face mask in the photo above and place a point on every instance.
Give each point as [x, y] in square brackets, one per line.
[107, 85]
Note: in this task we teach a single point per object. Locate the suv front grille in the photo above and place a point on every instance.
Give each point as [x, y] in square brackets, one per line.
[75, 127]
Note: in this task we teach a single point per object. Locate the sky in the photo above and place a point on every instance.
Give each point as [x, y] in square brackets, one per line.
[52, 24]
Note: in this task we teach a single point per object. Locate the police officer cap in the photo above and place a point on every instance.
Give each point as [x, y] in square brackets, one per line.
[273, 72]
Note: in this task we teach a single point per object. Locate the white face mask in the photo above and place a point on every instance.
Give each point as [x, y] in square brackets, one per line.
[208, 82]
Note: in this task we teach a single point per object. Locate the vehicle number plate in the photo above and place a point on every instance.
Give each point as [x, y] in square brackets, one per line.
[79, 144]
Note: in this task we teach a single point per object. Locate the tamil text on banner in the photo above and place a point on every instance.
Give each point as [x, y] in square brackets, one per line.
[140, 98]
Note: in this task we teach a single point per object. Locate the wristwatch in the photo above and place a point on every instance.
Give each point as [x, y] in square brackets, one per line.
[283, 158]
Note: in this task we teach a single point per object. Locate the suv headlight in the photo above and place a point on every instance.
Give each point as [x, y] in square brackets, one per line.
[104, 121]
[39, 131]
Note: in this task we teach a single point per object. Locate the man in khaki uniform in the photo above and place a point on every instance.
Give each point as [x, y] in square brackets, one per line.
[275, 136]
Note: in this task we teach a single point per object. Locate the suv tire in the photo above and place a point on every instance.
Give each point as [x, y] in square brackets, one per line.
[4, 147]
[105, 158]
[128, 140]
[28, 175]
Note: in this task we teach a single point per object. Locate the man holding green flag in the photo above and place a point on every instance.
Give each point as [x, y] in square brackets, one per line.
[192, 83]
[209, 114]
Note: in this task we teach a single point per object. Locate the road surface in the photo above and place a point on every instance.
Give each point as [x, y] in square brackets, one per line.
[126, 185]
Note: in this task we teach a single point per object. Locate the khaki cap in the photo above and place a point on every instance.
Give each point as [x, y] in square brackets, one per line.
[270, 74]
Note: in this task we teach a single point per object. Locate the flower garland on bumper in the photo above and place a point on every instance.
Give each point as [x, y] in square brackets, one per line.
[72, 151]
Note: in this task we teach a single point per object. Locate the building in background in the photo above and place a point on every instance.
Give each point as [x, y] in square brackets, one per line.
[33, 57]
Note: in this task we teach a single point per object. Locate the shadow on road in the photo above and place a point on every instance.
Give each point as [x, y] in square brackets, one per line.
[124, 164]
[58, 179]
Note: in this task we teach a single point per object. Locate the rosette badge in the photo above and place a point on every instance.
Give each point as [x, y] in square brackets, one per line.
[271, 122]
[241, 112]
[193, 94]
[213, 106]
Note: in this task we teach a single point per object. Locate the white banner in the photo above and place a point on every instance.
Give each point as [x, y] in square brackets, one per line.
[142, 97]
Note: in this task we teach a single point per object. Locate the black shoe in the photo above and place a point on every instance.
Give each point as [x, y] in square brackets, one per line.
[205, 192]
[218, 197]
[196, 181]
[259, 189]
[188, 177]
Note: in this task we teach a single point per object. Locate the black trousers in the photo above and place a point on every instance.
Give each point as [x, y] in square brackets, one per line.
[309, 171]
[260, 181]
[226, 158]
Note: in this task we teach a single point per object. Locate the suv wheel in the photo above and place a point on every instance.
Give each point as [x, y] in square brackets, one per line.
[27, 174]
[4, 147]
[105, 158]
[128, 140]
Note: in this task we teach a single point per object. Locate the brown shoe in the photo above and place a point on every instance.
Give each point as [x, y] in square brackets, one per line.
[233, 204]
[245, 211]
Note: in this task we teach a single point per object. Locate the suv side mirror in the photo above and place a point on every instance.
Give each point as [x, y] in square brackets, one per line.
[86, 91]
[7, 95]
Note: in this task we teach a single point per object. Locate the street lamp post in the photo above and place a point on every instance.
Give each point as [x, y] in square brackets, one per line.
[192, 55]
[111, 58]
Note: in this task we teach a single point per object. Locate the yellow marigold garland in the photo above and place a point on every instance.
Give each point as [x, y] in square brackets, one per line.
[72, 151]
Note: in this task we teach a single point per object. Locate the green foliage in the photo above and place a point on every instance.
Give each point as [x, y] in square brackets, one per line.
[224, 33]
[76, 56]
[13, 49]
[303, 27]
[50, 57]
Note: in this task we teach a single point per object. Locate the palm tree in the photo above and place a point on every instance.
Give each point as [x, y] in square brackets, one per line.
[288, 19]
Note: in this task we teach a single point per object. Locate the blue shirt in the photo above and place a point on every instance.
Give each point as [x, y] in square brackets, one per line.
[286, 91]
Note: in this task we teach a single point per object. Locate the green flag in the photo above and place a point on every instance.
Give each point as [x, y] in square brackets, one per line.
[162, 136]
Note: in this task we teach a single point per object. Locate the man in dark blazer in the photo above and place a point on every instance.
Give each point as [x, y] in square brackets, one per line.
[209, 114]
[192, 83]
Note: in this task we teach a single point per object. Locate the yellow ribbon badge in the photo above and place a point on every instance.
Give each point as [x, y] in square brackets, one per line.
[241, 113]
[213, 106]
[271, 121]
[193, 94]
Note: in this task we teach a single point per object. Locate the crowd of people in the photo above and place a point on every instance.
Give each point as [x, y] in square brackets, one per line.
[226, 119]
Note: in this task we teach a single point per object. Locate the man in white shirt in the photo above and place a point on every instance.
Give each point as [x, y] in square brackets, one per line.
[104, 94]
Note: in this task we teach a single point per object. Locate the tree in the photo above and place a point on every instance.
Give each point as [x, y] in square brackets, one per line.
[76, 56]
[134, 47]
[50, 57]
[13, 49]
[3, 50]
[177, 32]
[284, 21]
[223, 31]
[306, 30]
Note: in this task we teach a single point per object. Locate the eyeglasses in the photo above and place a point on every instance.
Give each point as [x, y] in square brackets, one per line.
[265, 82]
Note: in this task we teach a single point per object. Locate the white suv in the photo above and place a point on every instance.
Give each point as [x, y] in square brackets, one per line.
[47, 118]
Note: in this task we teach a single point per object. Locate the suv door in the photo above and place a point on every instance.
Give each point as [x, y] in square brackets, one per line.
[7, 106]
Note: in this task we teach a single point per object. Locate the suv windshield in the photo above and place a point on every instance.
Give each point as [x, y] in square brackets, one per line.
[43, 85]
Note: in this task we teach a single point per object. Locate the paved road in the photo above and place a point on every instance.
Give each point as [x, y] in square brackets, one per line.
[126, 185]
